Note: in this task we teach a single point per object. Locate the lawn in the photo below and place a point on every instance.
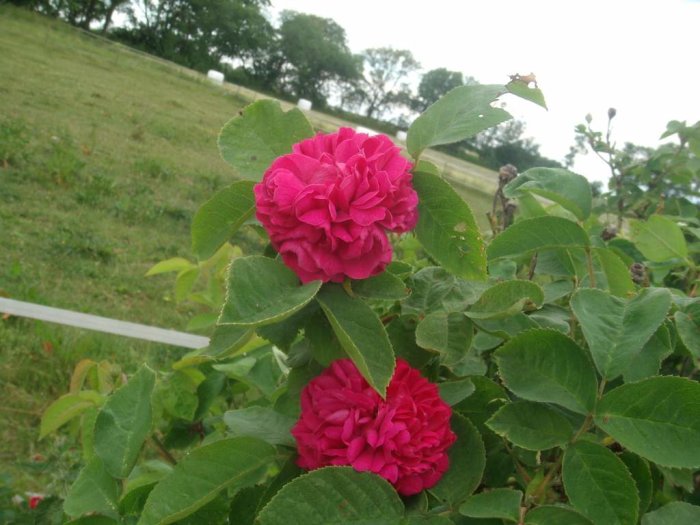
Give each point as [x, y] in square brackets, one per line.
[105, 155]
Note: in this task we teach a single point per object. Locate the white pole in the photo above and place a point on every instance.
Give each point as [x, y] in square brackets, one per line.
[102, 324]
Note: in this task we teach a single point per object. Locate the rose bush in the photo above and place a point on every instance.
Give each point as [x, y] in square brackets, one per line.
[328, 204]
[544, 376]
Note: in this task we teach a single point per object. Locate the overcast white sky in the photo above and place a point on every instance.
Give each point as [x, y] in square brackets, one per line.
[640, 57]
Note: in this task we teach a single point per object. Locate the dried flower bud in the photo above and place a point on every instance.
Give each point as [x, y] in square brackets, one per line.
[610, 232]
[638, 272]
[589, 118]
[611, 113]
[506, 174]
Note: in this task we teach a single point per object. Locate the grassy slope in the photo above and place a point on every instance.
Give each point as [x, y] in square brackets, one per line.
[108, 154]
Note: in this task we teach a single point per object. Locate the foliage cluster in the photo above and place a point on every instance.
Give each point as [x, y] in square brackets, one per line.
[572, 380]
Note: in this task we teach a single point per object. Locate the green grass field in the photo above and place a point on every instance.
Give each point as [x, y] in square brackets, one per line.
[104, 157]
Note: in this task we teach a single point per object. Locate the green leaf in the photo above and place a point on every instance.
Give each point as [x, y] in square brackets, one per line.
[467, 462]
[496, 503]
[532, 235]
[184, 282]
[570, 190]
[93, 520]
[66, 408]
[674, 513]
[94, 490]
[176, 264]
[487, 398]
[263, 132]
[227, 340]
[177, 394]
[554, 317]
[641, 473]
[385, 286]
[505, 299]
[688, 327]
[202, 321]
[124, 422]
[616, 329]
[361, 334]
[334, 496]
[599, 485]
[448, 334]
[648, 361]
[452, 392]
[460, 114]
[558, 370]
[258, 369]
[532, 426]
[197, 479]
[220, 217]
[659, 239]
[551, 515]
[263, 291]
[616, 272]
[436, 290]
[260, 422]
[139, 485]
[446, 228]
[657, 418]
[523, 90]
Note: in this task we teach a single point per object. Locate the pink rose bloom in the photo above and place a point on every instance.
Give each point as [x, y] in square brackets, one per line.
[404, 438]
[328, 205]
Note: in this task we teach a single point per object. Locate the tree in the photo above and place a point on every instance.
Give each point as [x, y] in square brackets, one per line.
[198, 33]
[435, 83]
[316, 53]
[383, 83]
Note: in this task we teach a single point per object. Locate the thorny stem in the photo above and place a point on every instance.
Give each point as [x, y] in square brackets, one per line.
[164, 451]
[517, 464]
[585, 426]
[533, 265]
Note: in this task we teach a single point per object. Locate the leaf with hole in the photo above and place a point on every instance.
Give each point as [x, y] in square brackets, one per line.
[446, 228]
[252, 141]
[458, 115]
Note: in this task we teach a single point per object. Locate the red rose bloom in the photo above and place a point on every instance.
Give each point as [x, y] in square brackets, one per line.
[328, 204]
[34, 500]
[404, 438]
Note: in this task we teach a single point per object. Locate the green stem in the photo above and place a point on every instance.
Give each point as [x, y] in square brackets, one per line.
[589, 266]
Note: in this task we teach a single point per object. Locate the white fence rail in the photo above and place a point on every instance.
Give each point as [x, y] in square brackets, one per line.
[102, 324]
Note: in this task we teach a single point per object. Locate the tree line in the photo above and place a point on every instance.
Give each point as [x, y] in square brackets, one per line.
[302, 56]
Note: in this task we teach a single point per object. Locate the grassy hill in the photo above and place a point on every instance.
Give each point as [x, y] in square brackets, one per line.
[105, 154]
